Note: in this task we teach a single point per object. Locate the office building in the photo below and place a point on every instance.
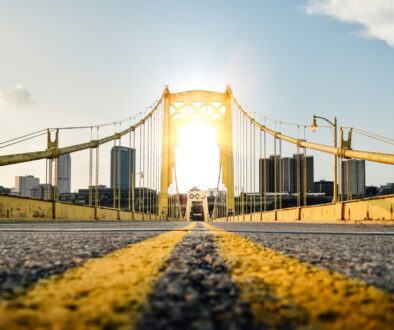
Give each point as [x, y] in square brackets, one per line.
[287, 174]
[64, 174]
[299, 162]
[353, 178]
[43, 191]
[323, 186]
[386, 189]
[264, 175]
[4, 190]
[290, 168]
[24, 184]
[122, 167]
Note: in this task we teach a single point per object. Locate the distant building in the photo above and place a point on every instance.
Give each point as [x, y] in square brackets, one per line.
[371, 191]
[287, 175]
[144, 198]
[264, 175]
[122, 167]
[353, 178]
[323, 186]
[386, 189]
[4, 190]
[64, 174]
[24, 184]
[269, 174]
[43, 191]
[299, 163]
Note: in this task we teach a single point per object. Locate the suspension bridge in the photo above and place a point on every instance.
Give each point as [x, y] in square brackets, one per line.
[249, 187]
[265, 256]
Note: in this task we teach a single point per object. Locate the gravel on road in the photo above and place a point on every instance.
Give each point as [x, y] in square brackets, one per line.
[26, 258]
[196, 291]
[366, 257]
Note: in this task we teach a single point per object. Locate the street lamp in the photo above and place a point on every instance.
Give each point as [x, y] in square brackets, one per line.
[335, 126]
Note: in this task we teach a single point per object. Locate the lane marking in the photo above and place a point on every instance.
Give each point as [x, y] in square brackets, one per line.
[130, 230]
[110, 292]
[88, 230]
[282, 291]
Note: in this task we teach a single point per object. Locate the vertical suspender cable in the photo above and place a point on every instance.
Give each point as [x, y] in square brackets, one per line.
[261, 162]
[239, 158]
[119, 166]
[90, 169]
[280, 170]
[114, 171]
[46, 180]
[350, 179]
[298, 170]
[250, 167]
[97, 171]
[244, 155]
[265, 171]
[140, 172]
[143, 168]
[130, 173]
[305, 173]
[146, 165]
[275, 174]
[154, 161]
[56, 186]
[133, 174]
[254, 168]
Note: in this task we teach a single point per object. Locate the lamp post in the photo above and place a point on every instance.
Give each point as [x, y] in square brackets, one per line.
[335, 126]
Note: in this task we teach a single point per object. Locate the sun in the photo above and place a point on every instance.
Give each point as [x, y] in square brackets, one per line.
[197, 156]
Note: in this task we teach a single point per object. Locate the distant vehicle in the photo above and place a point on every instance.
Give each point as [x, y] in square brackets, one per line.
[196, 212]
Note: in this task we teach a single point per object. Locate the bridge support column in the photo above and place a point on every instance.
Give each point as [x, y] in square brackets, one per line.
[226, 153]
[167, 150]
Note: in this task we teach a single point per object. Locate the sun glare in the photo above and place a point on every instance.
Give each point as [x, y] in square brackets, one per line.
[197, 156]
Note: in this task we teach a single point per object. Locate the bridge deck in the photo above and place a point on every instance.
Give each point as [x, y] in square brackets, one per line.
[171, 275]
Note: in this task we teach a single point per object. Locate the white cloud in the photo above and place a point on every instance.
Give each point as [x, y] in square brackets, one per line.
[376, 16]
[16, 96]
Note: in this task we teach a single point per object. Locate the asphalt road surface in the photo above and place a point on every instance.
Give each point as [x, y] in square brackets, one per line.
[222, 276]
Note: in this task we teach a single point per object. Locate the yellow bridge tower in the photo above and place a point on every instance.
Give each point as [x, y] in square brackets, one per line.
[181, 108]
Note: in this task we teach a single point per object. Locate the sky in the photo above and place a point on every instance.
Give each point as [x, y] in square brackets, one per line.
[68, 63]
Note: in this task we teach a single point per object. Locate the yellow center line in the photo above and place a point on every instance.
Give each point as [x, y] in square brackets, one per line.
[284, 291]
[109, 292]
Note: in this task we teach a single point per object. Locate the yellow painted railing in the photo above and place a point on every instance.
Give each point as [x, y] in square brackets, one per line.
[368, 210]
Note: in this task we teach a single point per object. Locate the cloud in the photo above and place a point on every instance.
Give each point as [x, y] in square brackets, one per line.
[376, 16]
[16, 96]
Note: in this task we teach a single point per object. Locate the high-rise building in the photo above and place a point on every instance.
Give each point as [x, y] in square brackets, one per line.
[289, 168]
[274, 173]
[122, 167]
[264, 172]
[64, 174]
[24, 184]
[353, 178]
[299, 162]
[287, 174]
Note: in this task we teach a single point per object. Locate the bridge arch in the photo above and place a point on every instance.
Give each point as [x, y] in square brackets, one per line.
[182, 107]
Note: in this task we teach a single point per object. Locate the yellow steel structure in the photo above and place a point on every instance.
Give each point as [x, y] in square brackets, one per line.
[181, 108]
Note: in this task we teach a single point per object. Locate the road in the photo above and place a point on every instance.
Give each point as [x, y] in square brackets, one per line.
[176, 275]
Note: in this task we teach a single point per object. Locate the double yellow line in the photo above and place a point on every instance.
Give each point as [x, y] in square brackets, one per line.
[110, 292]
[284, 292]
[113, 291]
